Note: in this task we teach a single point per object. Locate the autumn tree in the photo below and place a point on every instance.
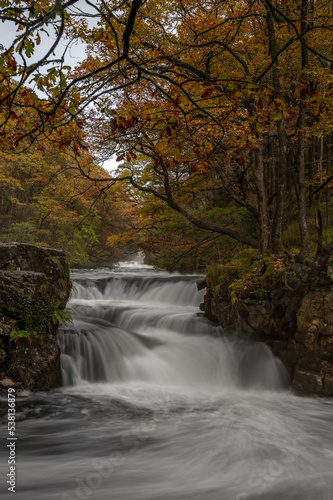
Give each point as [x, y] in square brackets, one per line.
[189, 95]
[46, 201]
[224, 91]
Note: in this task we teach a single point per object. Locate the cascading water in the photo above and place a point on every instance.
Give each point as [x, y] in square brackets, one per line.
[146, 328]
[158, 404]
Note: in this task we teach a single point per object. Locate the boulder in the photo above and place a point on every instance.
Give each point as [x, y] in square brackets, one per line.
[34, 289]
[296, 325]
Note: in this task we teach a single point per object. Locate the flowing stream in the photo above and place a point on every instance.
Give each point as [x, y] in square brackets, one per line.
[159, 404]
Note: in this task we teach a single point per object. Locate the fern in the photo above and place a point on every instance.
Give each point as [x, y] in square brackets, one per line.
[18, 334]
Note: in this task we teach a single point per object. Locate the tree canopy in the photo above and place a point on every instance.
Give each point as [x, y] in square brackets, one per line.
[213, 108]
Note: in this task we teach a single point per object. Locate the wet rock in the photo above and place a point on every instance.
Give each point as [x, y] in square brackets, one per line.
[2, 355]
[316, 312]
[7, 382]
[5, 328]
[34, 289]
[328, 386]
[307, 382]
[201, 284]
[296, 325]
[35, 362]
[308, 338]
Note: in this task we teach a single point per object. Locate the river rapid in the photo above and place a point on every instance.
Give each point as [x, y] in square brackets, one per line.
[159, 404]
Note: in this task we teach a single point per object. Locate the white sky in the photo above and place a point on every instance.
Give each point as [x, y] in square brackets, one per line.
[111, 164]
[74, 55]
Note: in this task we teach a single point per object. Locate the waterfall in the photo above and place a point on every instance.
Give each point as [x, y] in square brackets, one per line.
[158, 403]
[134, 323]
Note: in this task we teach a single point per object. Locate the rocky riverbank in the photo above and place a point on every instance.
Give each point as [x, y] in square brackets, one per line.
[34, 289]
[294, 319]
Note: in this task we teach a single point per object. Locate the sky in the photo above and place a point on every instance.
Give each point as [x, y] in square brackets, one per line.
[74, 55]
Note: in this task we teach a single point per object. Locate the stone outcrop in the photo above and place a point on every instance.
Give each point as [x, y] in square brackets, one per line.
[296, 325]
[34, 289]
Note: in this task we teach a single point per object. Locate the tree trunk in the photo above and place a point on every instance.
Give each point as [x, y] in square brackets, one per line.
[311, 169]
[303, 224]
[320, 164]
[281, 165]
[304, 230]
[328, 191]
[279, 215]
[261, 196]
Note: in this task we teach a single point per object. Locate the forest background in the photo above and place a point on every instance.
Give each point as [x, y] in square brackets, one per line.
[219, 114]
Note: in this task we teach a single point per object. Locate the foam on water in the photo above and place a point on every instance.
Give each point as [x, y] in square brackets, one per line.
[159, 404]
[185, 349]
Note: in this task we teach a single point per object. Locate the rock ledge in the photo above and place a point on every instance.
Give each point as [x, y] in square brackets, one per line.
[34, 289]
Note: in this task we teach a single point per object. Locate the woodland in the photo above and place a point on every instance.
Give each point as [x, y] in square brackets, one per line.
[219, 115]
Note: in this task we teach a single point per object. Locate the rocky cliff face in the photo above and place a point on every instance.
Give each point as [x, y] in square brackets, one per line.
[297, 327]
[34, 289]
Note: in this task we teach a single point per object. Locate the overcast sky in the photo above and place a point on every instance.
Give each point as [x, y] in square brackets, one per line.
[74, 54]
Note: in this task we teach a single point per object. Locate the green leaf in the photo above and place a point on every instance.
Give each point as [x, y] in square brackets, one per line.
[19, 47]
[29, 48]
[63, 80]
[277, 116]
[16, 334]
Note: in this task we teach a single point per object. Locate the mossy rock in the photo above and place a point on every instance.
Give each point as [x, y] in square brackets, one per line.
[34, 289]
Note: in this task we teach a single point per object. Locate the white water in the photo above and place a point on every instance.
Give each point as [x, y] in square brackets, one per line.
[112, 311]
[159, 404]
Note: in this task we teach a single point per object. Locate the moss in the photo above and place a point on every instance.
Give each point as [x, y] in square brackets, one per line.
[213, 274]
[65, 275]
[39, 315]
[224, 275]
[33, 303]
[24, 313]
[253, 275]
[54, 266]
[247, 254]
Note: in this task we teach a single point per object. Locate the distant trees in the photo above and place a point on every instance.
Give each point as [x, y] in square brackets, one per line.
[44, 200]
[228, 98]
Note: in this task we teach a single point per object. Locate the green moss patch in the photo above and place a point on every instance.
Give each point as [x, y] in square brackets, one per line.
[251, 274]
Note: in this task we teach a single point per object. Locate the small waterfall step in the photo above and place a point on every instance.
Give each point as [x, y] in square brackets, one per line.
[143, 325]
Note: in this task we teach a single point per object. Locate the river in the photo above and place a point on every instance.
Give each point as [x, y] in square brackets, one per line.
[158, 404]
